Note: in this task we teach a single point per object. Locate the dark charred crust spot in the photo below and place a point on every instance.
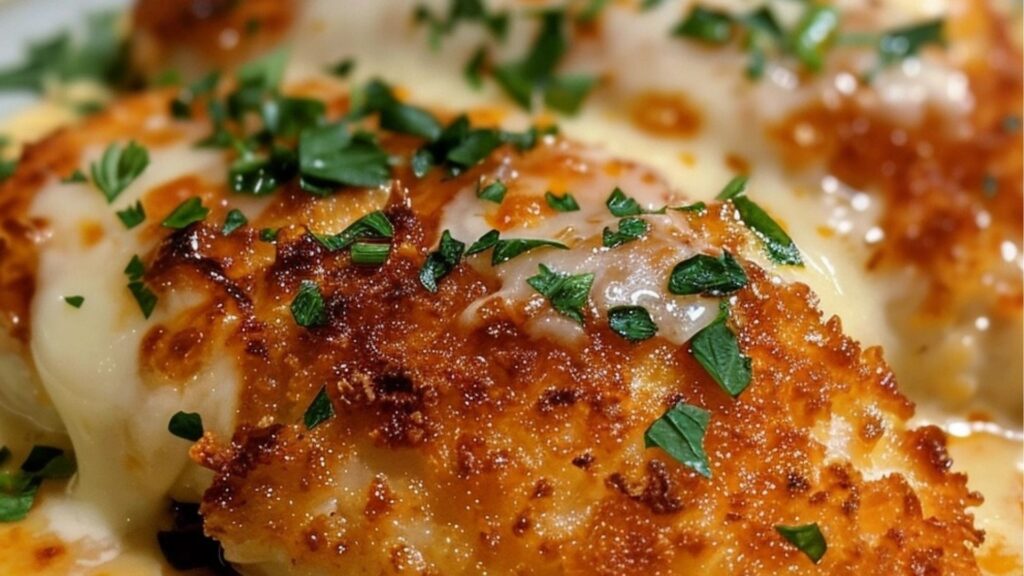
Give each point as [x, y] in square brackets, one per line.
[583, 460]
[554, 398]
[380, 499]
[656, 491]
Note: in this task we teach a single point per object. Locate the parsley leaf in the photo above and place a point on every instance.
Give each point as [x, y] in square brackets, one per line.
[373, 225]
[308, 307]
[188, 212]
[505, 250]
[567, 293]
[234, 220]
[563, 203]
[895, 45]
[187, 425]
[474, 70]
[7, 169]
[807, 538]
[735, 187]
[441, 262]
[288, 116]
[702, 274]
[680, 432]
[320, 410]
[484, 243]
[145, 297]
[269, 234]
[630, 229]
[813, 34]
[706, 25]
[18, 489]
[132, 216]
[474, 148]
[330, 156]
[259, 176]
[342, 68]
[118, 168]
[633, 323]
[716, 349]
[75, 301]
[493, 192]
[621, 205]
[370, 253]
[74, 178]
[398, 117]
[777, 243]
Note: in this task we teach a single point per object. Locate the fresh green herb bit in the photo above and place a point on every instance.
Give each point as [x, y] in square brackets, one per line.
[534, 75]
[896, 45]
[286, 117]
[265, 72]
[145, 297]
[716, 349]
[18, 489]
[260, 176]
[165, 78]
[630, 229]
[98, 55]
[320, 410]
[567, 293]
[633, 323]
[621, 205]
[563, 203]
[373, 225]
[735, 187]
[187, 213]
[308, 308]
[269, 235]
[461, 11]
[181, 106]
[696, 207]
[484, 243]
[329, 156]
[233, 221]
[813, 35]
[527, 139]
[706, 25]
[441, 261]
[493, 192]
[369, 253]
[680, 432]
[132, 216]
[7, 168]
[118, 168]
[75, 301]
[474, 70]
[807, 538]
[702, 274]
[342, 68]
[477, 145]
[398, 117]
[505, 250]
[75, 177]
[422, 161]
[777, 243]
[187, 425]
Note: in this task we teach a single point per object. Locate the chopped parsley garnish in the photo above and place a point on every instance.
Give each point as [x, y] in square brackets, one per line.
[308, 308]
[735, 187]
[320, 410]
[187, 425]
[259, 175]
[634, 323]
[505, 250]
[777, 243]
[563, 203]
[75, 177]
[441, 261]
[696, 207]
[5, 453]
[330, 156]
[716, 349]
[145, 297]
[493, 192]
[495, 23]
[269, 235]
[398, 117]
[534, 76]
[813, 35]
[233, 221]
[18, 488]
[484, 243]
[369, 253]
[702, 274]
[7, 168]
[474, 70]
[807, 538]
[621, 205]
[630, 229]
[706, 25]
[474, 148]
[342, 68]
[896, 45]
[118, 168]
[187, 213]
[287, 117]
[373, 225]
[132, 216]
[181, 106]
[680, 433]
[75, 301]
[567, 293]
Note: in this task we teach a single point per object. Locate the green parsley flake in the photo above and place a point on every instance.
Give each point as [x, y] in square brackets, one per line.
[563, 203]
[186, 425]
[807, 538]
[18, 488]
[308, 308]
[75, 301]
[484, 243]
[630, 229]
[320, 410]
[621, 205]
[896, 45]
[706, 25]
[702, 274]
[634, 323]
[146, 299]
[568, 293]
[493, 192]
[234, 220]
[680, 433]
[813, 35]
[187, 213]
[441, 261]
[716, 349]
[369, 253]
[373, 225]
[75, 177]
[505, 250]
[777, 243]
[132, 216]
[329, 156]
[269, 235]
[735, 187]
[118, 168]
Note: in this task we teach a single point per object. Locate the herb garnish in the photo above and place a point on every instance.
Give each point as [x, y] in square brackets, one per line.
[187, 425]
[484, 243]
[329, 156]
[342, 68]
[633, 323]
[132, 216]
[621, 205]
[777, 243]
[567, 293]
[901, 43]
[234, 220]
[716, 349]
[118, 168]
[75, 301]
[702, 274]
[146, 299]
[320, 410]
[308, 307]
[370, 253]
[807, 538]
[505, 250]
[373, 225]
[461, 11]
[630, 229]
[680, 433]
[563, 203]
[74, 178]
[493, 192]
[441, 261]
[18, 489]
[187, 213]
[269, 235]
